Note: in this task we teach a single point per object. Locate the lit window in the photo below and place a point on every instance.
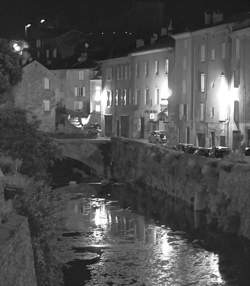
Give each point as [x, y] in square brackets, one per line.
[46, 105]
[124, 97]
[137, 71]
[157, 96]
[129, 96]
[81, 75]
[223, 50]
[78, 105]
[116, 97]
[166, 66]
[147, 98]
[98, 108]
[213, 54]
[46, 83]
[109, 99]
[47, 53]
[184, 86]
[185, 111]
[237, 48]
[156, 67]
[236, 111]
[202, 111]
[202, 82]
[203, 53]
[146, 68]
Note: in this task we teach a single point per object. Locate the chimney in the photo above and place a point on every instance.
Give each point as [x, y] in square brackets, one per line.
[139, 43]
[208, 18]
[217, 17]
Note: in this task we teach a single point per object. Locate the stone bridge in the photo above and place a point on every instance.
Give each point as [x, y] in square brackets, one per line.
[95, 153]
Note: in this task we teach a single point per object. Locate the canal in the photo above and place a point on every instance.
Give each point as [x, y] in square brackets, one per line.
[118, 235]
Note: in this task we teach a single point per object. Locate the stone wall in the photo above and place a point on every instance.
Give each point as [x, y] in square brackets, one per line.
[220, 187]
[16, 254]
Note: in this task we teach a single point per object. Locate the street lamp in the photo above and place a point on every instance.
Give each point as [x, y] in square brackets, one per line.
[26, 29]
[42, 21]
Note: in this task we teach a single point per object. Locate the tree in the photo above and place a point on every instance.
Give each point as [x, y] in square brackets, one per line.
[10, 69]
[22, 140]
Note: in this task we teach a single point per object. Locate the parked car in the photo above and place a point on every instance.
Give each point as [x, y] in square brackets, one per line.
[219, 152]
[187, 148]
[158, 137]
[202, 151]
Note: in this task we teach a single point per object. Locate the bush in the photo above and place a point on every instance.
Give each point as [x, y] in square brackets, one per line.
[22, 140]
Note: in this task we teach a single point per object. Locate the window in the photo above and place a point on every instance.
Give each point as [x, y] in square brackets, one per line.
[185, 111]
[157, 96]
[38, 43]
[202, 110]
[202, 82]
[81, 75]
[147, 98]
[54, 52]
[137, 71]
[146, 68]
[237, 48]
[156, 67]
[121, 72]
[223, 50]
[109, 73]
[185, 44]
[137, 96]
[109, 99]
[203, 53]
[116, 96]
[46, 83]
[236, 111]
[184, 86]
[181, 111]
[47, 53]
[184, 63]
[78, 105]
[212, 112]
[126, 72]
[213, 54]
[80, 91]
[129, 100]
[236, 78]
[166, 66]
[124, 98]
[38, 54]
[46, 105]
[118, 73]
[98, 108]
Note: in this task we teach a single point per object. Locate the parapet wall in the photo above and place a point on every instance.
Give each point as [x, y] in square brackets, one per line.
[220, 187]
[16, 254]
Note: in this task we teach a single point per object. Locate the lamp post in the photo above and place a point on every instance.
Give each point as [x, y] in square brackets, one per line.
[26, 30]
[42, 21]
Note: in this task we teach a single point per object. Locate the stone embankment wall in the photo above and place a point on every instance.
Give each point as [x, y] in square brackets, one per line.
[220, 187]
[16, 254]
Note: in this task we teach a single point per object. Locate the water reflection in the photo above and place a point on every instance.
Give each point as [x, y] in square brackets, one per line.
[135, 251]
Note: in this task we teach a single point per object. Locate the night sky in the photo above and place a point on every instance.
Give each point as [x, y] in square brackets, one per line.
[88, 14]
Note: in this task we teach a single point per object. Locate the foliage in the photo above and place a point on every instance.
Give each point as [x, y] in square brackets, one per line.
[22, 140]
[40, 204]
[10, 68]
[8, 165]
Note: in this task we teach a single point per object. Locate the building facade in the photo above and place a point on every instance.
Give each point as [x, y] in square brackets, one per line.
[37, 93]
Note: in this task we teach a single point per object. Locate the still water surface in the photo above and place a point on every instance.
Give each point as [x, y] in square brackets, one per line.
[112, 244]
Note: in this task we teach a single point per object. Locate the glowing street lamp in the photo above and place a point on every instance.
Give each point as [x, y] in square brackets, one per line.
[42, 21]
[26, 29]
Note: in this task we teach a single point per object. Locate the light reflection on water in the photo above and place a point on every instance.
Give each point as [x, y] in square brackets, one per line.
[135, 251]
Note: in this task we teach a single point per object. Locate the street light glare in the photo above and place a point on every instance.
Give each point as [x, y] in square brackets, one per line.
[42, 21]
[27, 26]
